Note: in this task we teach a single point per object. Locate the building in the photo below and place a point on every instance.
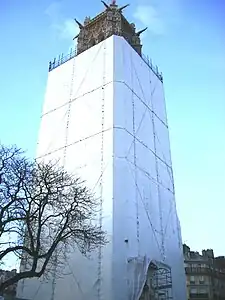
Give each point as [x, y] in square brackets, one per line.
[104, 118]
[205, 275]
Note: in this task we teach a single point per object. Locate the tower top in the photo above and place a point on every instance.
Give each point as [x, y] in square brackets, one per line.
[110, 22]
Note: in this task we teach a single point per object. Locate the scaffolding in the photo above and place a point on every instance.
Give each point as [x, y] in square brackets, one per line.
[56, 62]
[158, 284]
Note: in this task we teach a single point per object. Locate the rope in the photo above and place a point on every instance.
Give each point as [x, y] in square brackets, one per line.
[56, 131]
[158, 187]
[137, 130]
[81, 84]
[135, 139]
[74, 277]
[148, 175]
[144, 103]
[69, 112]
[100, 177]
[135, 161]
[71, 99]
[149, 218]
[99, 289]
[54, 277]
[143, 144]
[75, 98]
[71, 144]
[36, 292]
[64, 162]
[153, 114]
[168, 171]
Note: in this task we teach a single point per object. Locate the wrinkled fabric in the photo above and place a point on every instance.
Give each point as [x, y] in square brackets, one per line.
[139, 268]
[137, 274]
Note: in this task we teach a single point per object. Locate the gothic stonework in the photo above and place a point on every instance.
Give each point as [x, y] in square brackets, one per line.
[109, 22]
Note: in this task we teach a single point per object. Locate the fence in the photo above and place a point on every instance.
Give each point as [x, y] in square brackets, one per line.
[62, 59]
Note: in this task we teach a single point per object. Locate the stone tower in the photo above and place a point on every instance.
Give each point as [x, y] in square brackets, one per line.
[104, 117]
[108, 23]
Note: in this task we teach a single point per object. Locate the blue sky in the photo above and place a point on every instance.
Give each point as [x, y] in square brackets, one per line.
[185, 39]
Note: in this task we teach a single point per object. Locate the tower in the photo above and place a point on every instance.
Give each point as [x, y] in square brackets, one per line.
[104, 118]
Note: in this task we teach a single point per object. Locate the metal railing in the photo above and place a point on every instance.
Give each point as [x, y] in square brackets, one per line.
[62, 59]
[207, 271]
[154, 69]
[199, 296]
[197, 270]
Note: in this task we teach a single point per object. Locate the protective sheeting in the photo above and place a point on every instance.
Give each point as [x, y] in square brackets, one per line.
[137, 274]
[149, 279]
[72, 131]
[145, 208]
[104, 118]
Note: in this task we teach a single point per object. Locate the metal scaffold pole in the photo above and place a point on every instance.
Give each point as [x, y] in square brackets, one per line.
[135, 162]
[99, 289]
[64, 163]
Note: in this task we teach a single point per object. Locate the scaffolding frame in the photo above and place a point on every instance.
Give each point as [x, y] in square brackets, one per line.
[158, 284]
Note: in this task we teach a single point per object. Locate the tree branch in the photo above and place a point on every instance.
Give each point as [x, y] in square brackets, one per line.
[13, 249]
[48, 209]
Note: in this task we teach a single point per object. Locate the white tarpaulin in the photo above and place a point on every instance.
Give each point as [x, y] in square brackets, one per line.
[153, 275]
[137, 272]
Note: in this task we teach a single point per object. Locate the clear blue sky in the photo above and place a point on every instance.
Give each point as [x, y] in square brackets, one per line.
[187, 41]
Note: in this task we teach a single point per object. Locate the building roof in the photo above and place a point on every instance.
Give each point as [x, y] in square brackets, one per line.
[109, 22]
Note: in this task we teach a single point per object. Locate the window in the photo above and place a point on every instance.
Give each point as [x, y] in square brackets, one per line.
[192, 279]
[204, 266]
[201, 280]
[203, 293]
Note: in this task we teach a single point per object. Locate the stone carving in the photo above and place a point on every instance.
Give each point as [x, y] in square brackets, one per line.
[107, 23]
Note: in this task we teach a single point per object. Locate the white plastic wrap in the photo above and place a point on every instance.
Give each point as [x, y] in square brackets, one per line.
[137, 272]
[138, 211]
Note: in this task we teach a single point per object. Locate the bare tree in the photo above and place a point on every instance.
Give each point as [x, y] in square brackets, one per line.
[47, 210]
